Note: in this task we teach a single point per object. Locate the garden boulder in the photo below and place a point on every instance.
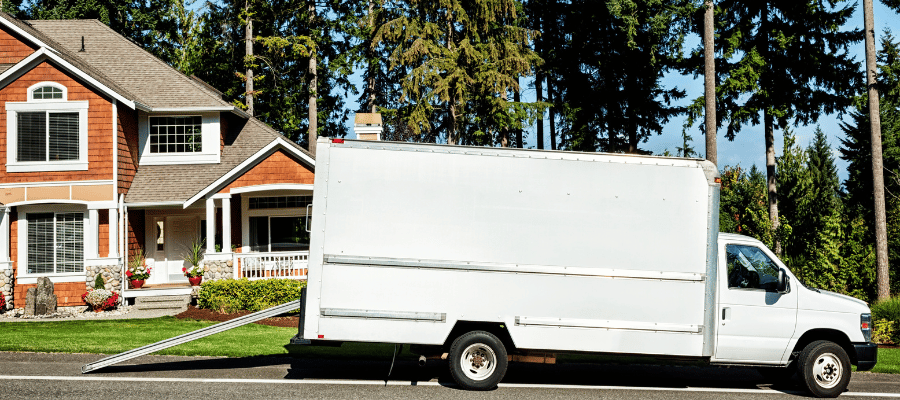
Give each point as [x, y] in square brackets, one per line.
[40, 300]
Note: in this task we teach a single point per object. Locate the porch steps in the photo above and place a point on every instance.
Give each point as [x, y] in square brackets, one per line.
[174, 303]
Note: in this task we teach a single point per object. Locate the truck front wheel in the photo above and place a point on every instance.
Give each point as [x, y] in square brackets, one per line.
[478, 360]
[825, 368]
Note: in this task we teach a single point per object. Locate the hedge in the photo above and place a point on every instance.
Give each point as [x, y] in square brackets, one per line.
[230, 295]
[886, 318]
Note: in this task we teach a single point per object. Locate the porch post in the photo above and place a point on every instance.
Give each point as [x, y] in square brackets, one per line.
[210, 225]
[113, 233]
[4, 236]
[226, 224]
[93, 235]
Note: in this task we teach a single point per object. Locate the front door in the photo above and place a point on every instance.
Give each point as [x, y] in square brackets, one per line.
[174, 235]
[755, 321]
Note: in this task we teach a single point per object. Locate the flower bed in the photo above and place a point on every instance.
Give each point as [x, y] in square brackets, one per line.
[101, 299]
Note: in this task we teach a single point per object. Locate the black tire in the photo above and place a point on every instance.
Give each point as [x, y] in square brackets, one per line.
[824, 368]
[777, 375]
[476, 350]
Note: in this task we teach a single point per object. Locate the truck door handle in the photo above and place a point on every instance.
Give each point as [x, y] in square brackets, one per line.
[726, 312]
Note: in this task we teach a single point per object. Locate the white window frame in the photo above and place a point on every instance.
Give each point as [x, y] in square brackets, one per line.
[32, 88]
[23, 277]
[210, 141]
[12, 110]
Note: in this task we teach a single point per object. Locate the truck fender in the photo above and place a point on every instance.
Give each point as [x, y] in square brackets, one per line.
[498, 329]
[831, 335]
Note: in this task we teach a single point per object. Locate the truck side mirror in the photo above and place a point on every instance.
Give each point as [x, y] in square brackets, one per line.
[784, 282]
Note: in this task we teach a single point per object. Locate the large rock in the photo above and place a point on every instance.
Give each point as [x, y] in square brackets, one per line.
[40, 300]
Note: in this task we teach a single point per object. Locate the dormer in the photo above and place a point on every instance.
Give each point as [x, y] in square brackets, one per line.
[179, 138]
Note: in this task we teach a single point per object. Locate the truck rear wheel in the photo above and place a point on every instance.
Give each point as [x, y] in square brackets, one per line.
[824, 368]
[478, 360]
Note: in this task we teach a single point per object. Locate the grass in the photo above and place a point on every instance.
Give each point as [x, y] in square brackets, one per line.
[116, 336]
[888, 361]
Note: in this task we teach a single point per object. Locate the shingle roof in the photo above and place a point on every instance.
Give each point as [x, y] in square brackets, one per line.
[69, 57]
[156, 84]
[164, 183]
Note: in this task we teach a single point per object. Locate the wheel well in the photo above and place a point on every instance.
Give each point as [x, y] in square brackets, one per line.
[498, 329]
[830, 335]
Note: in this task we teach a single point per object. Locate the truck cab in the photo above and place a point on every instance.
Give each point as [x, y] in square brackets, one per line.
[768, 316]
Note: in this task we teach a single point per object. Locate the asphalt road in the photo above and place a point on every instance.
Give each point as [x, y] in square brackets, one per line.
[38, 375]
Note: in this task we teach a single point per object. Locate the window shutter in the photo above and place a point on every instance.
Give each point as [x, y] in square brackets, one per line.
[63, 136]
[31, 136]
[40, 243]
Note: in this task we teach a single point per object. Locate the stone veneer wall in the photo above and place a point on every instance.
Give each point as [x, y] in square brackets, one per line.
[7, 283]
[216, 270]
[112, 276]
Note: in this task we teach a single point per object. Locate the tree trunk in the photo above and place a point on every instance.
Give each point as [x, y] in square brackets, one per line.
[248, 43]
[881, 250]
[452, 137]
[504, 131]
[313, 87]
[632, 135]
[709, 82]
[770, 176]
[370, 59]
[550, 114]
[517, 99]
[539, 87]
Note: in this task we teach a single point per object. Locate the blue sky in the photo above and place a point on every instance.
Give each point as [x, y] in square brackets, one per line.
[748, 148]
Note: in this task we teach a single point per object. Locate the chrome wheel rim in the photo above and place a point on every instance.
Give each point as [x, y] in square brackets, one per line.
[828, 370]
[478, 362]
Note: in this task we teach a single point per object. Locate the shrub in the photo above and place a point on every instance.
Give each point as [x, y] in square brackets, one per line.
[100, 299]
[885, 332]
[887, 310]
[99, 283]
[243, 294]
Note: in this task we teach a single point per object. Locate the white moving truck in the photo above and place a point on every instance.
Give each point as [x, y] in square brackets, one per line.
[486, 253]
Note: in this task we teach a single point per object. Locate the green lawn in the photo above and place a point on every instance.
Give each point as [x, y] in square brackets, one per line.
[116, 336]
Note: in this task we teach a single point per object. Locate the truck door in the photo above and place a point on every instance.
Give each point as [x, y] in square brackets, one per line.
[755, 321]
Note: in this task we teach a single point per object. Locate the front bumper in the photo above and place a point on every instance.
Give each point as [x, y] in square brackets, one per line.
[866, 356]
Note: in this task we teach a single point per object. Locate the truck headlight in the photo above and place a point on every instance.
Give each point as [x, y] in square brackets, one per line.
[865, 325]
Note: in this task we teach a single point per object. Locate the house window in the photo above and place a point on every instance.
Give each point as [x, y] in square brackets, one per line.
[176, 135]
[271, 233]
[47, 136]
[55, 243]
[47, 132]
[47, 93]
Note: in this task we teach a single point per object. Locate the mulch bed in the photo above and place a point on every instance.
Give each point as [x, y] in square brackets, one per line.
[209, 315]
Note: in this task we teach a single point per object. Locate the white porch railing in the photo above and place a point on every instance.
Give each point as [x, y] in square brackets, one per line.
[285, 265]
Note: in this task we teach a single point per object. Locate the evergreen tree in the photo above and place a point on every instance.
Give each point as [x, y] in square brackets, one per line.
[459, 58]
[607, 88]
[742, 206]
[856, 149]
[783, 62]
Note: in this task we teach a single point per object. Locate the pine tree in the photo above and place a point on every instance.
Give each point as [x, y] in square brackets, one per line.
[856, 149]
[783, 63]
[459, 59]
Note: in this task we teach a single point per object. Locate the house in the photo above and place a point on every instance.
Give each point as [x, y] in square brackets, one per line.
[106, 151]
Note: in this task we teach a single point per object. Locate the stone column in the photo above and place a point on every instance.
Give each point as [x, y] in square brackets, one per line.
[210, 225]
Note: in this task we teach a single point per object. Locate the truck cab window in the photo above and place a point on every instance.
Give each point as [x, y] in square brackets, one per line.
[750, 268]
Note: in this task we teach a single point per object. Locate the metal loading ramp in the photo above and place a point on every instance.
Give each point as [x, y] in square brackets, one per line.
[191, 336]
